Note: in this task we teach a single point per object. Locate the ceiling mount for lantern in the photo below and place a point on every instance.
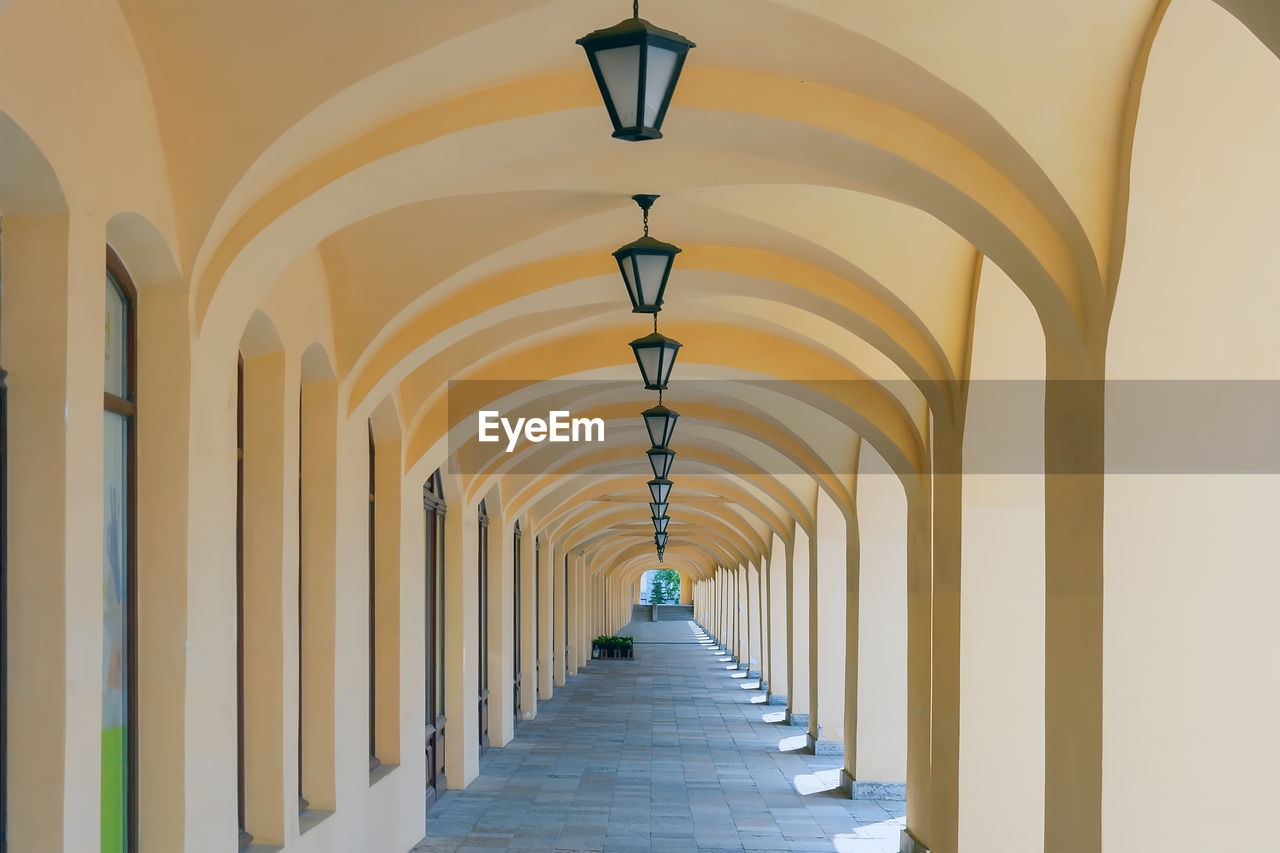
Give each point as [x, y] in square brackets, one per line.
[636, 66]
[661, 424]
[645, 265]
[656, 355]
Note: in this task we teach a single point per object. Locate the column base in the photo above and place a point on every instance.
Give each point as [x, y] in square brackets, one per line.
[798, 720]
[743, 665]
[908, 844]
[863, 790]
[826, 747]
[776, 699]
[751, 675]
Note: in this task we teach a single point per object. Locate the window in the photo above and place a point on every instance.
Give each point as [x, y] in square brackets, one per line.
[483, 657]
[373, 640]
[515, 620]
[433, 502]
[4, 599]
[537, 611]
[119, 558]
[302, 800]
[245, 837]
[565, 660]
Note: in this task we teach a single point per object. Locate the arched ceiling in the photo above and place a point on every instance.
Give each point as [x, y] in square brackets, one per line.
[835, 171]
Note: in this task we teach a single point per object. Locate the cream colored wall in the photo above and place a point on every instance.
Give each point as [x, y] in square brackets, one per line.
[1191, 696]
[779, 675]
[880, 753]
[800, 663]
[828, 569]
[1002, 625]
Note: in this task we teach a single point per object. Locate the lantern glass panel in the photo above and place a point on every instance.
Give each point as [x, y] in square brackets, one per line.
[627, 265]
[660, 490]
[660, 461]
[658, 510]
[659, 70]
[650, 359]
[660, 524]
[660, 539]
[661, 424]
[620, 67]
[652, 271]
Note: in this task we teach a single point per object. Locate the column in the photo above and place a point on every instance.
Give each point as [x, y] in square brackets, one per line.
[880, 748]
[829, 555]
[779, 624]
[502, 671]
[462, 628]
[755, 642]
[1002, 596]
[545, 572]
[528, 628]
[559, 572]
[742, 611]
[799, 662]
[54, 342]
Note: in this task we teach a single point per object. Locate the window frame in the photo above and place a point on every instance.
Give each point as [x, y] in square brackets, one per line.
[127, 408]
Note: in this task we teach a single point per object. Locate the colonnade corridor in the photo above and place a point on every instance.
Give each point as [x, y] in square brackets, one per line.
[366, 365]
[675, 750]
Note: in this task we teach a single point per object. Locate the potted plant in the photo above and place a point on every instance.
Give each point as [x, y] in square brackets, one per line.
[612, 647]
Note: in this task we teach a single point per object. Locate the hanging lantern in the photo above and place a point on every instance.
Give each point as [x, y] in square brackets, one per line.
[658, 510]
[661, 423]
[656, 355]
[660, 489]
[636, 66]
[660, 524]
[645, 265]
[660, 539]
[660, 459]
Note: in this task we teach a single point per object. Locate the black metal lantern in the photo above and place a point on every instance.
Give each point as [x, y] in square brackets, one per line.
[636, 66]
[660, 539]
[658, 510]
[660, 459]
[656, 355]
[661, 423]
[645, 265]
[660, 489]
[660, 523]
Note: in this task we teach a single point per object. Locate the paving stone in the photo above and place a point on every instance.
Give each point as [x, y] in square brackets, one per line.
[662, 753]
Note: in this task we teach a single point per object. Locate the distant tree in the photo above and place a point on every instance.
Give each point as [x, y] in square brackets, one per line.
[666, 587]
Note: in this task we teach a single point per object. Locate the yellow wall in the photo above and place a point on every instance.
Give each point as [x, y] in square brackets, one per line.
[1190, 627]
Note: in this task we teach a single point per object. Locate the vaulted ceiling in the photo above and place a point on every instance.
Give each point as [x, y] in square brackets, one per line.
[835, 171]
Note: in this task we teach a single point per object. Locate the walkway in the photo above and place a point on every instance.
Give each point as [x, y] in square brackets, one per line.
[668, 752]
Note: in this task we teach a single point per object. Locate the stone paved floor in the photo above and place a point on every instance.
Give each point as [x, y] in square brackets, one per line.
[672, 751]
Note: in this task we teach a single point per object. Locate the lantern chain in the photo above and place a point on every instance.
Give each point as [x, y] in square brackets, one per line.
[646, 222]
[635, 8]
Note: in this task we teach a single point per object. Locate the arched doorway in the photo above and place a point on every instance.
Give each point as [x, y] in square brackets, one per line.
[660, 586]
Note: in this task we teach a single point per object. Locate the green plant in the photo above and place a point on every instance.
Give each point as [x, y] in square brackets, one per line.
[666, 587]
